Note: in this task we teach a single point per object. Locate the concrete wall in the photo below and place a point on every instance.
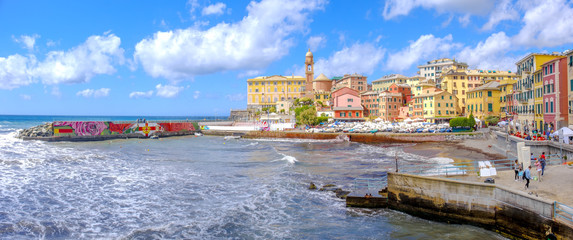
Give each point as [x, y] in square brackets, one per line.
[509, 144]
[101, 128]
[510, 213]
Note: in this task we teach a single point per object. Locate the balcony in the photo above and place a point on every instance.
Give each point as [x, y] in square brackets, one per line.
[522, 100]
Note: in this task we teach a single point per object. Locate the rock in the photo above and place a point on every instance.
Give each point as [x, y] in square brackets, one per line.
[341, 193]
[312, 186]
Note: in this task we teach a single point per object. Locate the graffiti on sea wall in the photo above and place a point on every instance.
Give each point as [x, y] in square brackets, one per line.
[96, 128]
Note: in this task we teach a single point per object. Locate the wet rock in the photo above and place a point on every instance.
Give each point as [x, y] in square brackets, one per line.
[312, 186]
[341, 193]
[44, 130]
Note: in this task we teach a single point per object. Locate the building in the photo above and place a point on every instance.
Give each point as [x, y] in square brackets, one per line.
[570, 87]
[370, 102]
[432, 70]
[309, 73]
[527, 93]
[413, 81]
[321, 88]
[421, 86]
[383, 83]
[404, 90]
[265, 92]
[353, 81]
[346, 105]
[555, 94]
[434, 105]
[483, 101]
[390, 104]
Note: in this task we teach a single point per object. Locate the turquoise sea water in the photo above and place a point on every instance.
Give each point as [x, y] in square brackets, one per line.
[196, 188]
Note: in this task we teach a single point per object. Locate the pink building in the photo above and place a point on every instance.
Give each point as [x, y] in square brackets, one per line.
[346, 105]
[555, 112]
[390, 104]
[370, 102]
[404, 89]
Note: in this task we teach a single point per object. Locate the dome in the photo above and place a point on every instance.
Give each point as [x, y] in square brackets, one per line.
[321, 77]
[309, 53]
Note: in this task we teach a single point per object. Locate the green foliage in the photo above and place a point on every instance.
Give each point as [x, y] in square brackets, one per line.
[303, 101]
[273, 109]
[322, 119]
[492, 120]
[307, 117]
[471, 120]
[458, 122]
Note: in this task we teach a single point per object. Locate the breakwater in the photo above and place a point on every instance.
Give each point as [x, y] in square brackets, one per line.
[355, 137]
[511, 213]
[104, 130]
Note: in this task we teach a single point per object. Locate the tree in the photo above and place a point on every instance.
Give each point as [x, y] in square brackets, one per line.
[307, 117]
[471, 120]
[272, 109]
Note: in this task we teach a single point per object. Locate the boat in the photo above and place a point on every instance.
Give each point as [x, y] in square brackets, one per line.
[154, 137]
[198, 134]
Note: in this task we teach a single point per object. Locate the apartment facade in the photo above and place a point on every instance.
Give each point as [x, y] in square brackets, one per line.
[570, 87]
[483, 101]
[432, 70]
[370, 102]
[434, 105]
[390, 104]
[383, 83]
[353, 81]
[347, 105]
[555, 94]
[265, 92]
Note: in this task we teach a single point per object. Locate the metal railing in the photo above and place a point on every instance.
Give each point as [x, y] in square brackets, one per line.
[562, 211]
[376, 184]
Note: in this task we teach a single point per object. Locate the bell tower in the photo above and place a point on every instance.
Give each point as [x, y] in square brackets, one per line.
[309, 72]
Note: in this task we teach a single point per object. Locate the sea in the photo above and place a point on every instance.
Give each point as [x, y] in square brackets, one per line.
[191, 187]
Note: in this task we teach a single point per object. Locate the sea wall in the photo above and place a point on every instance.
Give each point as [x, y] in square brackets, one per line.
[362, 137]
[508, 212]
[102, 130]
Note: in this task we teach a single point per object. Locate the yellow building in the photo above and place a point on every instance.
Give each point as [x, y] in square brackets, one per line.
[436, 105]
[461, 81]
[421, 86]
[483, 101]
[413, 81]
[525, 89]
[506, 97]
[267, 91]
[383, 83]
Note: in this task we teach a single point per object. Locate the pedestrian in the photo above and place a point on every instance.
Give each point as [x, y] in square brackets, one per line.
[538, 167]
[543, 162]
[527, 176]
[516, 169]
[532, 158]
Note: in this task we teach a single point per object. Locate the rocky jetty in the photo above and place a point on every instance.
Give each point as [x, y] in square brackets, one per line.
[44, 130]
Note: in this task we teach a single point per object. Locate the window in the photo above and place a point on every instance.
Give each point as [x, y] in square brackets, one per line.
[490, 107]
[551, 107]
[546, 106]
[350, 100]
[489, 93]
[357, 114]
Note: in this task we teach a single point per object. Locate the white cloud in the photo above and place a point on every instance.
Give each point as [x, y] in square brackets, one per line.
[51, 43]
[25, 97]
[358, 58]
[136, 95]
[28, 41]
[196, 94]
[16, 71]
[214, 9]
[316, 42]
[239, 97]
[426, 47]
[503, 11]
[183, 53]
[490, 54]
[547, 24]
[96, 93]
[56, 91]
[250, 73]
[167, 91]
[394, 8]
[464, 20]
[81, 63]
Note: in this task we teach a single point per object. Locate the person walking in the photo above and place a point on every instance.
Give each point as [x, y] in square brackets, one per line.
[527, 176]
[543, 162]
[516, 169]
[538, 167]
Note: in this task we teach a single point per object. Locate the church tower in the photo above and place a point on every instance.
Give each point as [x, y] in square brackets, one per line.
[309, 71]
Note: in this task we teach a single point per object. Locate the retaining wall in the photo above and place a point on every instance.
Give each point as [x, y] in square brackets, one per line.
[365, 137]
[508, 143]
[510, 213]
[101, 128]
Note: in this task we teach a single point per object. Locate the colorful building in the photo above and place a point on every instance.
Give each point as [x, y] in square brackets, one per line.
[413, 81]
[354, 81]
[383, 83]
[555, 94]
[404, 90]
[506, 96]
[434, 105]
[370, 102]
[421, 86]
[346, 105]
[265, 92]
[390, 104]
[528, 103]
[432, 70]
[483, 101]
[321, 88]
[570, 87]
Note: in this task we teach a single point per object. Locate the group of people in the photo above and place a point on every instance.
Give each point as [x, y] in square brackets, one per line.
[525, 174]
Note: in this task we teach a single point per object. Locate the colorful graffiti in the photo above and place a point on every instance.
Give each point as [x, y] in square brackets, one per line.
[95, 128]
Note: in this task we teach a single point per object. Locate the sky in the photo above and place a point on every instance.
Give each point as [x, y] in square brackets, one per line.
[193, 57]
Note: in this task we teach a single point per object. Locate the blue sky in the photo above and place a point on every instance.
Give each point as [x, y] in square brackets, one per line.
[190, 58]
